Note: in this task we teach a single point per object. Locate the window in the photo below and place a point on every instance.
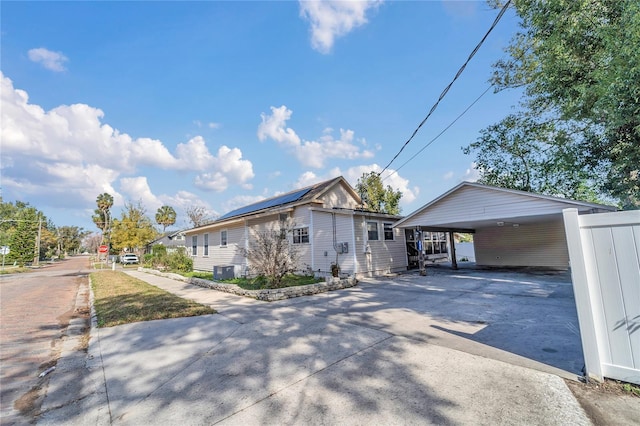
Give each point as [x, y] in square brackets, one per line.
[300, 235]
[435, 242]
[223, 238]
[372, 231]
[194, 245]
[388, 231]
[206, 245]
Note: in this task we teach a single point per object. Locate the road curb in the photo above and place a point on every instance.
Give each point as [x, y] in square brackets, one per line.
[77, 393]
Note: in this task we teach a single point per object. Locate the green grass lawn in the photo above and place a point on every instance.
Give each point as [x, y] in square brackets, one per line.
[122, 299]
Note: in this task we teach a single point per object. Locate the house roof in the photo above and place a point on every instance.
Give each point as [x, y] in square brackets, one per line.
[169, 235]
[305, 195]
[470, 205]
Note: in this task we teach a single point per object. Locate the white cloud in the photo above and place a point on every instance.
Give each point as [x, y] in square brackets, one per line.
[472, 174]
[332, 19]
[310, 153]
[229, 168]
[273, 127]
[390, 177]
[53, 61]
[310, 178]
[213, 125]
[138, 189]
[448, 175]
[67, 155]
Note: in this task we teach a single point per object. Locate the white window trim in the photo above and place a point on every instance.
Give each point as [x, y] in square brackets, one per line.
[308, 235]
[384, 234]
[226, 234]
[377, 230]
[205, 245]
[194, 247]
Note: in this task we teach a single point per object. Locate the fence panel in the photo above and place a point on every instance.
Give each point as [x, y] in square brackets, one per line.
[604, 250]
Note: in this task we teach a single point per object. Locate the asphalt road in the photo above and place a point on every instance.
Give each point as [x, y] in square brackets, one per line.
[35, 310]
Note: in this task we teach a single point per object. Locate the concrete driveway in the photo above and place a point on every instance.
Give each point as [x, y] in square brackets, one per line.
[526, 319]
[449, 348]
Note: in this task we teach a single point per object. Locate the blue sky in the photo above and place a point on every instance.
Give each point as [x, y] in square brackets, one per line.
[220, 104]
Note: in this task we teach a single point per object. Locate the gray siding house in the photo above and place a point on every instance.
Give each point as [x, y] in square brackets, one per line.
[171, 240]
[330, 227]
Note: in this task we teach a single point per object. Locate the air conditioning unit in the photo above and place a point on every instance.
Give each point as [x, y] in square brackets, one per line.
[223, 272]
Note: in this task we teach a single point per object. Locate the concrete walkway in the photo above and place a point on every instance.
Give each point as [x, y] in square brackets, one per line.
[298, 362]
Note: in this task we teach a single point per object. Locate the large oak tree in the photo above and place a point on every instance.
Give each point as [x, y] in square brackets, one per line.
[577, 133]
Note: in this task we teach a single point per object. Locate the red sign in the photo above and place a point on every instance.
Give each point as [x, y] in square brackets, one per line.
[103, 249]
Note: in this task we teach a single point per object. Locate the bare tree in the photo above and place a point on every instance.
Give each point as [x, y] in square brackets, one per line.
[198, 215]
[272, 254]
[92, 242]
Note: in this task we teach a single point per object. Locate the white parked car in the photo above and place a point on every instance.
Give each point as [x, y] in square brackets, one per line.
[128, 258]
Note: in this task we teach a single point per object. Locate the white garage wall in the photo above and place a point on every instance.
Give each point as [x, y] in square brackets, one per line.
[532, 245]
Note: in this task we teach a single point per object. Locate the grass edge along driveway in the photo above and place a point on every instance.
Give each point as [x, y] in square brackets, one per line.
[122, 299]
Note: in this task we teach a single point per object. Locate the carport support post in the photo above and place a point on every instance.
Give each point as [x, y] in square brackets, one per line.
[452, 243]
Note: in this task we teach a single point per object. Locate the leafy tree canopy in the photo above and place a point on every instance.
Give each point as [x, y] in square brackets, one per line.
[577, 133]
[376, 197]
[134, 230]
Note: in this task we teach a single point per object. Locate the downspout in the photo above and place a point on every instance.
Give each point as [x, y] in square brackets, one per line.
[335, 239]
[246, 247]
[312, 236]
[353, 244]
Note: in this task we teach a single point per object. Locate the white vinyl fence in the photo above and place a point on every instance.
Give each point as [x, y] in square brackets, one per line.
[604, 250]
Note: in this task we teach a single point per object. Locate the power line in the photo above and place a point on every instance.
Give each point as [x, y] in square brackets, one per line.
[439, 134]
[446, 89]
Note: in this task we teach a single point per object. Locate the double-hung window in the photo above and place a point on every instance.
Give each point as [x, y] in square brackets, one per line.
[223, 238]
[301, 235]
[206, 245]
[372, 231]
[194, 245]
[388, 231]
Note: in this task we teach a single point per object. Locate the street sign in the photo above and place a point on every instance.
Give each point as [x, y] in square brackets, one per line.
[4, 250]
[103, 249]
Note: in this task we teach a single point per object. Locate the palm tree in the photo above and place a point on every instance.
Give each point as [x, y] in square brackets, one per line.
[102, 217]
[165, 216]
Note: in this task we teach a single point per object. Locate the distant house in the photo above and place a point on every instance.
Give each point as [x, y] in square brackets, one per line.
[171, 240]
[330, 227]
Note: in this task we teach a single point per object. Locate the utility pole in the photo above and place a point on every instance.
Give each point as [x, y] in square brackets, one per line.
[36, 259]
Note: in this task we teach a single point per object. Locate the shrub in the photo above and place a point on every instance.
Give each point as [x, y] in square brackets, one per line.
[159, 250]
[179, 261]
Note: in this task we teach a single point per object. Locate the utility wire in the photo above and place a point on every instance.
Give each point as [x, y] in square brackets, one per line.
[439, 134]
[446, 89]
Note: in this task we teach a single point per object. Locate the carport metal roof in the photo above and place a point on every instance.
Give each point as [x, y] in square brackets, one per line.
[470, 206]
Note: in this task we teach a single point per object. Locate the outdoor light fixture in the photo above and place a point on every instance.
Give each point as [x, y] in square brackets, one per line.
[515, 225]
[500, 223]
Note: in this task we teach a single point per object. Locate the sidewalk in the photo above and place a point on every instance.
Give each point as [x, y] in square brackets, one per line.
[272, 363]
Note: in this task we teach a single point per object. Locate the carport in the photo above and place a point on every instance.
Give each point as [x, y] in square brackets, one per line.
[511, 228]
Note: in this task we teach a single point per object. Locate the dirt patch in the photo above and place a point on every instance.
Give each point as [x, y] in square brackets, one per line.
[607, 403]
[29, 404]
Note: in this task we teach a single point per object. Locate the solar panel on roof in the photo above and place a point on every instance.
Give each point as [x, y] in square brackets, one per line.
[265, 204]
